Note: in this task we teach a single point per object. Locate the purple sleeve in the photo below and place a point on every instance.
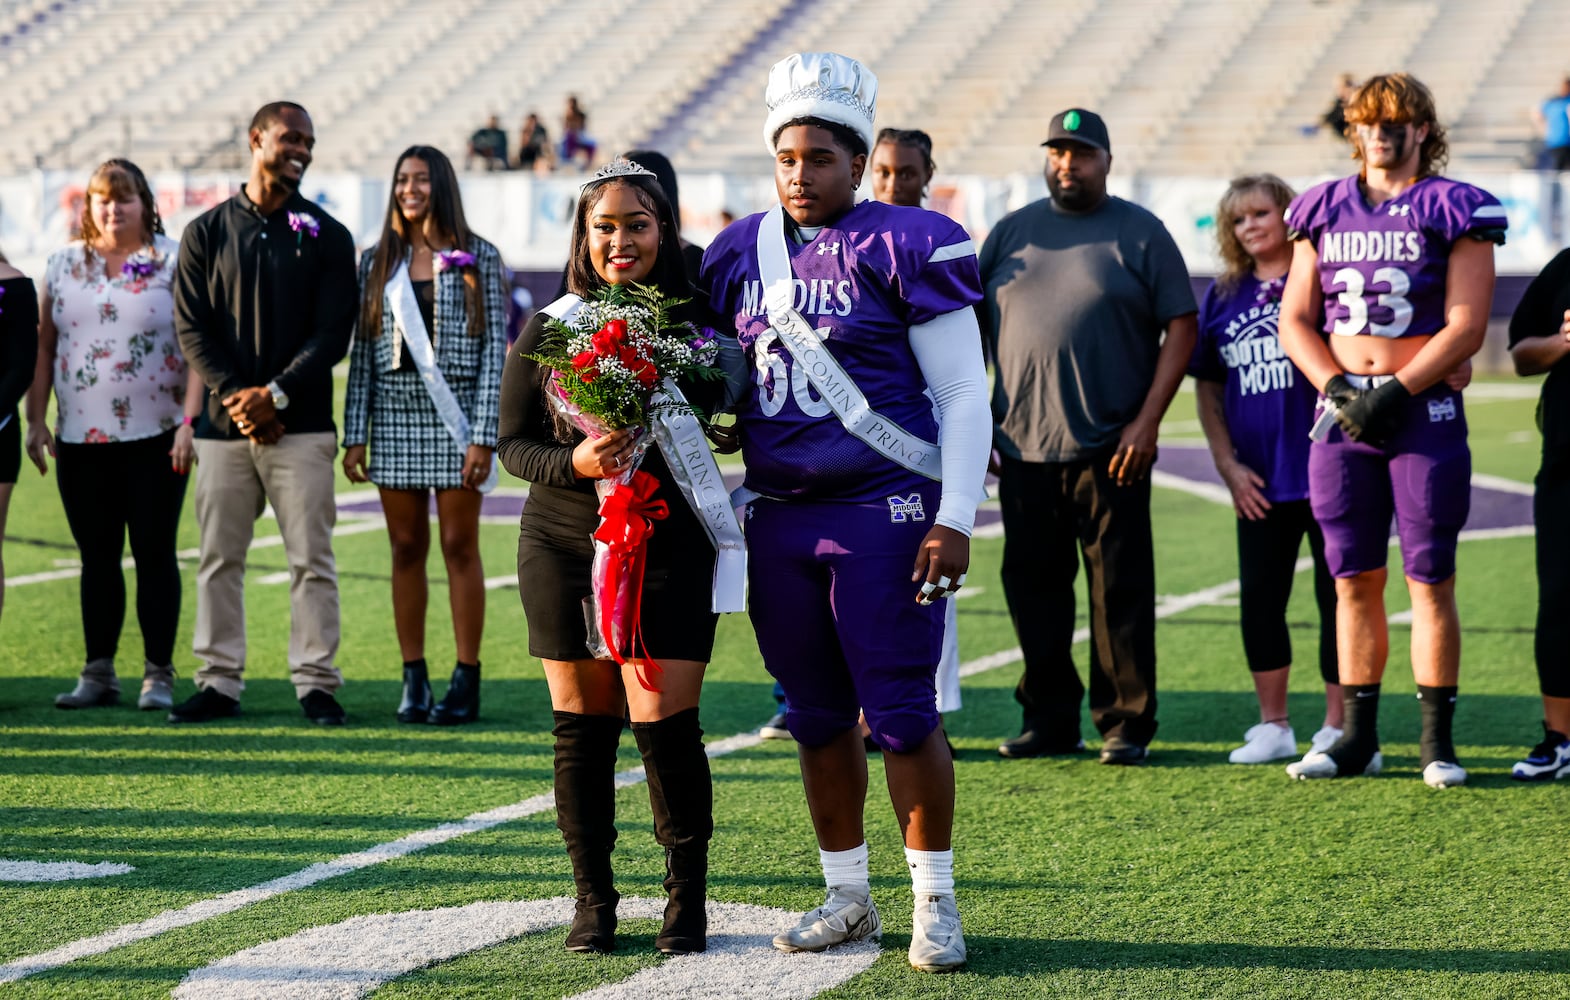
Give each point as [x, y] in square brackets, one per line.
[1464, 210]
[1305, 217]
[1205, 362]
[944, 274]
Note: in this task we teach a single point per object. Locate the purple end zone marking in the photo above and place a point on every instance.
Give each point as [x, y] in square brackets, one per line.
[1490, 508]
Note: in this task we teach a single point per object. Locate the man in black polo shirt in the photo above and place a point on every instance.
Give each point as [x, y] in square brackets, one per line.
[265, 301]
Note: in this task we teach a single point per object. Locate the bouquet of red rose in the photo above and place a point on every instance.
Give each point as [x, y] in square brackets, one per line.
[615, 359]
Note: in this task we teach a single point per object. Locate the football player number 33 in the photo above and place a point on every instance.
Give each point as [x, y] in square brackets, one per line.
[1354, 299]
[771, 374]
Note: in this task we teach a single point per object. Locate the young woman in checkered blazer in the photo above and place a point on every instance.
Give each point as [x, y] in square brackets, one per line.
[461, 297]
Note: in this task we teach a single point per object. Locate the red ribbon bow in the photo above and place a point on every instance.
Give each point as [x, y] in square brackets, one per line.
[627, 521]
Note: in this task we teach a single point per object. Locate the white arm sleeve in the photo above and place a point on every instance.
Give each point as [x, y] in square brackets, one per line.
[948, 351]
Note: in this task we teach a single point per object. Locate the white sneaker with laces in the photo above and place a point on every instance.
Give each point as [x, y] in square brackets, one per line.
[936, 943]
[1324, 739]
[844, 916]
[1444, 774]
[1265, 742]
[1322, 765]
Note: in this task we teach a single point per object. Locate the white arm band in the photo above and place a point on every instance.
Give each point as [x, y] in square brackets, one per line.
[948, 352]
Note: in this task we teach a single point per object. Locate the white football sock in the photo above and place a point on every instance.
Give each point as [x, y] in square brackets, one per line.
[931, 872]
[846, 869]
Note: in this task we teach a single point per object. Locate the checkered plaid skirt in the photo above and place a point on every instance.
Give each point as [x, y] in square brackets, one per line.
[409, 445]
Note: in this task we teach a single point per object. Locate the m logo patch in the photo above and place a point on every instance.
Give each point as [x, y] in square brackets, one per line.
[902, 509]
[1441, 409]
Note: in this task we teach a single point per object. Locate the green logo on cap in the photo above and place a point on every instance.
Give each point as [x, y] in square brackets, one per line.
[1071, 121]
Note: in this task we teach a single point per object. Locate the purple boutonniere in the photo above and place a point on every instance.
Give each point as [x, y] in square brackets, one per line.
[1270, 291]
[446, 259]
[305, 224]
[140, 265]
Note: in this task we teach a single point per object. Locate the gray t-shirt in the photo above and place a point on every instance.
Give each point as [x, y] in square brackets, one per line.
[1074, 313]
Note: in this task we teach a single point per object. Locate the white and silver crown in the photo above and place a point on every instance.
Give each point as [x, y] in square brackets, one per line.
[822, 85]
[620, 167]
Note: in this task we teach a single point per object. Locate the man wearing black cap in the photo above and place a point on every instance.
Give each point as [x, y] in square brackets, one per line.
[1080, 288]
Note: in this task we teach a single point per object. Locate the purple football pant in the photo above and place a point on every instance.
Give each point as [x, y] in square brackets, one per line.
[836, 616]
[1423, 477]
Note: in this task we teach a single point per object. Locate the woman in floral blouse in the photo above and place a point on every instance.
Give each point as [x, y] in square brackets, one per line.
[125, 405]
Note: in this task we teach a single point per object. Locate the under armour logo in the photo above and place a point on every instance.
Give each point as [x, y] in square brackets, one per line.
[902, 509]
[1441, 409]
[1402, 210]
[828, 248]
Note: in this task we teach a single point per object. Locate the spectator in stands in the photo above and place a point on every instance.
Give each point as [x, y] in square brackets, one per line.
[1083, 377]
[1540, 342]
[623, 216]
[1256, 411]
[124, 406]
[489, 146]
[1334, 118]
[18, 348]
[902, 166]
[424, 377]
[265, 301]
[534, 145]
[1396, 265]
[577, 145]
[842, 514]
[1553, 122]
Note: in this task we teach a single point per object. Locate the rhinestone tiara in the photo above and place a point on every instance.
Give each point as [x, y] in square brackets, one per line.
[620, 167]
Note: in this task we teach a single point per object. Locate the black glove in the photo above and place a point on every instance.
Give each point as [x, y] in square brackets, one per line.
[1339, 391]
[1373, 417]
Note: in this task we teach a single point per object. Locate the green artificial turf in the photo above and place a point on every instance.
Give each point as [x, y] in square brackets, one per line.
[1188, 877]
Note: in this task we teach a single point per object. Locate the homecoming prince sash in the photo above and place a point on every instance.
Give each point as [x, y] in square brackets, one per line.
[399, 293]
[823, 370]
[679, 435]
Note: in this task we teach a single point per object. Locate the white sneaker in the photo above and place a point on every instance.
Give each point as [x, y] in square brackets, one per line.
[844, 916]
[1324, 739]
[1266, 742]
[936, 943]
[1444, 774]
[1322, 765]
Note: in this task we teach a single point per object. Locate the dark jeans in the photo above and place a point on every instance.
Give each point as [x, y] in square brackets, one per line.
[1053, 513]
[110, 491]
[1267, 563]
[1553, 578]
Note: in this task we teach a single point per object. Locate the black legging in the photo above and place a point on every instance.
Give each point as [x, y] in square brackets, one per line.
[1267, 557]
[111, 490]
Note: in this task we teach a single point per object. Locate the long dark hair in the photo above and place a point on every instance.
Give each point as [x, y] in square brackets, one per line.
[669, 274]
[444, 215]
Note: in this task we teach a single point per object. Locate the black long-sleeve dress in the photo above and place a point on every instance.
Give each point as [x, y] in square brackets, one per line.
[555, 552]
[18, 354]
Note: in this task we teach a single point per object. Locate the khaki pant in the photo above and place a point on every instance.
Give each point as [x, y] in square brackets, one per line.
[234, 482]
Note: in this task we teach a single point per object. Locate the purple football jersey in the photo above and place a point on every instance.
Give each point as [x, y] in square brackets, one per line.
[1382, 268]
[1269, 405]
[866, 279]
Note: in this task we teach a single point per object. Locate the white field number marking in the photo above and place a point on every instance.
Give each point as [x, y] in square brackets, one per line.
[353, 958]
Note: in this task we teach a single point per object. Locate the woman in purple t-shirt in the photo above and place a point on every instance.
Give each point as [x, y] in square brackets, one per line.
[1256, 409]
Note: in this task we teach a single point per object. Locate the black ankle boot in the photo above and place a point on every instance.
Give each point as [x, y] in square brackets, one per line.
[415, 705]
[682, 798]
[461, 703]
[585, 765]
